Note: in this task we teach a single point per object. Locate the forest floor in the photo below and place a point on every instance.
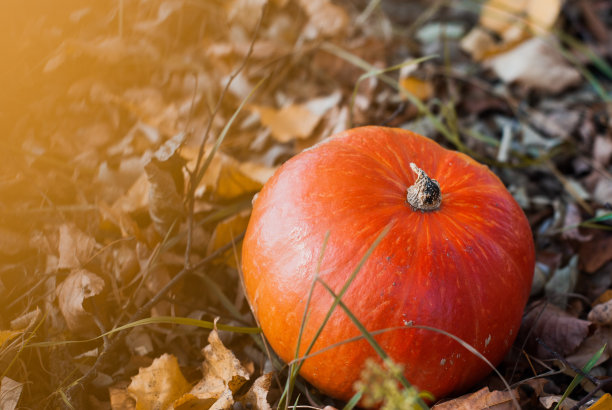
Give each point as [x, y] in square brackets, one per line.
[136, 133]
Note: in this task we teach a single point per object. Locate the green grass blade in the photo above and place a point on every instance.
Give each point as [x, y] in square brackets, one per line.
[168, 320]
[587, 368]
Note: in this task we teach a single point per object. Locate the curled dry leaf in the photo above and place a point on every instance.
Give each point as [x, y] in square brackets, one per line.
[482, 399]
[220, 369]
[222, 377]
[159, 385]
[10, 391]
[78, 286]
[75, 247]
[256, 397]
[536, 64]
[557, 330]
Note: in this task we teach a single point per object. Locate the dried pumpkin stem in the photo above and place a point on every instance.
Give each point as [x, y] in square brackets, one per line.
[424, 195]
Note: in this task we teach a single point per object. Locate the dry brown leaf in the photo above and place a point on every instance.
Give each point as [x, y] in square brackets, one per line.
[120, 399]
[75, 247]
[557, 329]
[504, 24]
[551, 401]
[222, 377]
[288, 123]
[26, 320]
[325, 19]
[571, 221]
[482, 399]
[595, 254]
[536, 64]
[10, 392]
[602, 150]
[72, 292]
[226, 231]
[244, 12]
[233, 183]
[601, 313]
[136, 198]
[603, 191]
[591, 345]
[256, 397]
[159, 385]
[165, 200]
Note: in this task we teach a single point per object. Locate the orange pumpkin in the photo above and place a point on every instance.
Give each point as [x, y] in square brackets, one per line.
[459, 257]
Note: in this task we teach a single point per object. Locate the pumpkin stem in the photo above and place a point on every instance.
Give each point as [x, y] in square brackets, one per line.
[424, 195]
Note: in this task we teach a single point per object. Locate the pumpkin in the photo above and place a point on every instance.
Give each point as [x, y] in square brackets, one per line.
[458, 257]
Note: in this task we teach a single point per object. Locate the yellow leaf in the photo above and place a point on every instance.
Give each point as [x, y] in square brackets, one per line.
[419, 88]
[604, 403]
[542, 14]
[233, 183]
[499, 15]
[225, 232]
[290, 122]
[7, 335]
[159, 385]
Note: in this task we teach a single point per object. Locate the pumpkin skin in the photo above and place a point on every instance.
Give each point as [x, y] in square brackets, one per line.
[465, 268]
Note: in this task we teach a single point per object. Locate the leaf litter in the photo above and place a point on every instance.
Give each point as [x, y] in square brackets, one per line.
[112, 108]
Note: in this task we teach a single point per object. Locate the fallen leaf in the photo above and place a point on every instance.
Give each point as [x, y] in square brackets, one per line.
[595, 254]
[421, 89]
[571, 221]
[537, 63]
[222, 377]
[601, 313]
[75, 247]
[288, 123]
[602, 150]
[603, 191]
[8, 335]
[604, 403]
[256, 397]
[26, 320]
[550, 401]
[120, 399]
[482, 399]
[504, 24]
[165, 197]
[10, 392]
[557, 329]
[325, 18]
[562, 283]
[590, 346]
[220, 368]
[226, 231]
[72, 292]
[159, 385]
